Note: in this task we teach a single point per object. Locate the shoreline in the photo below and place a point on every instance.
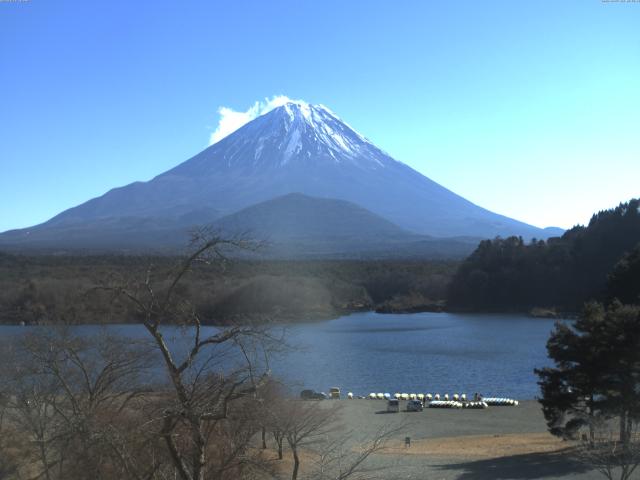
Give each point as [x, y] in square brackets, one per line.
[325, 318]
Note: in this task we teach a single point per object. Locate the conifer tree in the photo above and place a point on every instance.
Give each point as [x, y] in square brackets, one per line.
[596, 373]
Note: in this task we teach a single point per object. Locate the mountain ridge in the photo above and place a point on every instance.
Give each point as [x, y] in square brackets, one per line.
[296, 147]
[299, 226]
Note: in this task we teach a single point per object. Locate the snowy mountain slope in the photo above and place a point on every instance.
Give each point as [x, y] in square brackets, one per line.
[297, 147]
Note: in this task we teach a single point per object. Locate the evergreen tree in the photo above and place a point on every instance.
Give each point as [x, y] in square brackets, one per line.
[507, 274]
[596, 373]
[624, 281]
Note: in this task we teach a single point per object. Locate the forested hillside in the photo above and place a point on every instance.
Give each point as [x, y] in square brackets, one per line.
[61, 289]
[508, 274]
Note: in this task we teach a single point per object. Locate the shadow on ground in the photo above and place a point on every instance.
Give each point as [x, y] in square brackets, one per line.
[515, 467]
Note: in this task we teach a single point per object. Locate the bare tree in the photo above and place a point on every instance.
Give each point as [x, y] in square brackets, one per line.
[208, 370]
[85, 409]
[605, 452]
[72, 397]
[276, 427]
[8, 464]
[344, 457]
[314, 427]
[269, 403]
[305, 423]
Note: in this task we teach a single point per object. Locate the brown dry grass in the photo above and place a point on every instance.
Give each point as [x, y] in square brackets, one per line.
[284, 466]
[481, 446]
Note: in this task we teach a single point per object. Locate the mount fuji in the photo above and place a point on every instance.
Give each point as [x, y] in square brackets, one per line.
[295, 148]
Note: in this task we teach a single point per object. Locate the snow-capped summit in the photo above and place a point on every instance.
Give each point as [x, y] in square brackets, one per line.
[294, 148]
[298, 133]
[328, 132]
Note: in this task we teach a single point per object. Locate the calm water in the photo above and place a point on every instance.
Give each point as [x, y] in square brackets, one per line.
[412, 353]
[424, 352]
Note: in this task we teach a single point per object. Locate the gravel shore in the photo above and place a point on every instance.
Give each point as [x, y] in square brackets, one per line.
[495, 443]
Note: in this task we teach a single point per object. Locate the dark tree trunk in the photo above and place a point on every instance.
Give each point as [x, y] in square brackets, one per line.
[296, 464]
[279, 441]
[592, 433]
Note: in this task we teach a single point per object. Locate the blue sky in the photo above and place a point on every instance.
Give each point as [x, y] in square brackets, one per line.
[530, 109]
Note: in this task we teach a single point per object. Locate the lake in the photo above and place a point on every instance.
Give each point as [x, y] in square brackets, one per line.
[423, 352]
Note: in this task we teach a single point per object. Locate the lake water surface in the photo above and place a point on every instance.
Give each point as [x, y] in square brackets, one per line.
[422, 352]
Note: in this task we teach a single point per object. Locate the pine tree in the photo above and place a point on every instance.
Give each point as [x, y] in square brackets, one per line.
[596, 373]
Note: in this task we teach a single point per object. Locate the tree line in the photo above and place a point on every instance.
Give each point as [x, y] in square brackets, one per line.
[49, 290]
[508, 274]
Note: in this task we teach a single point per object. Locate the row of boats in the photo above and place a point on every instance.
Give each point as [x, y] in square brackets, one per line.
[444, 401]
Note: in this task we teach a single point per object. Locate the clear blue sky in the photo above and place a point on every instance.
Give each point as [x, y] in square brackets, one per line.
[530, 109]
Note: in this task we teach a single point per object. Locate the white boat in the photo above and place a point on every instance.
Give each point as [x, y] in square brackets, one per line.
[477, 405]
[500, 401]
[445, 404]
